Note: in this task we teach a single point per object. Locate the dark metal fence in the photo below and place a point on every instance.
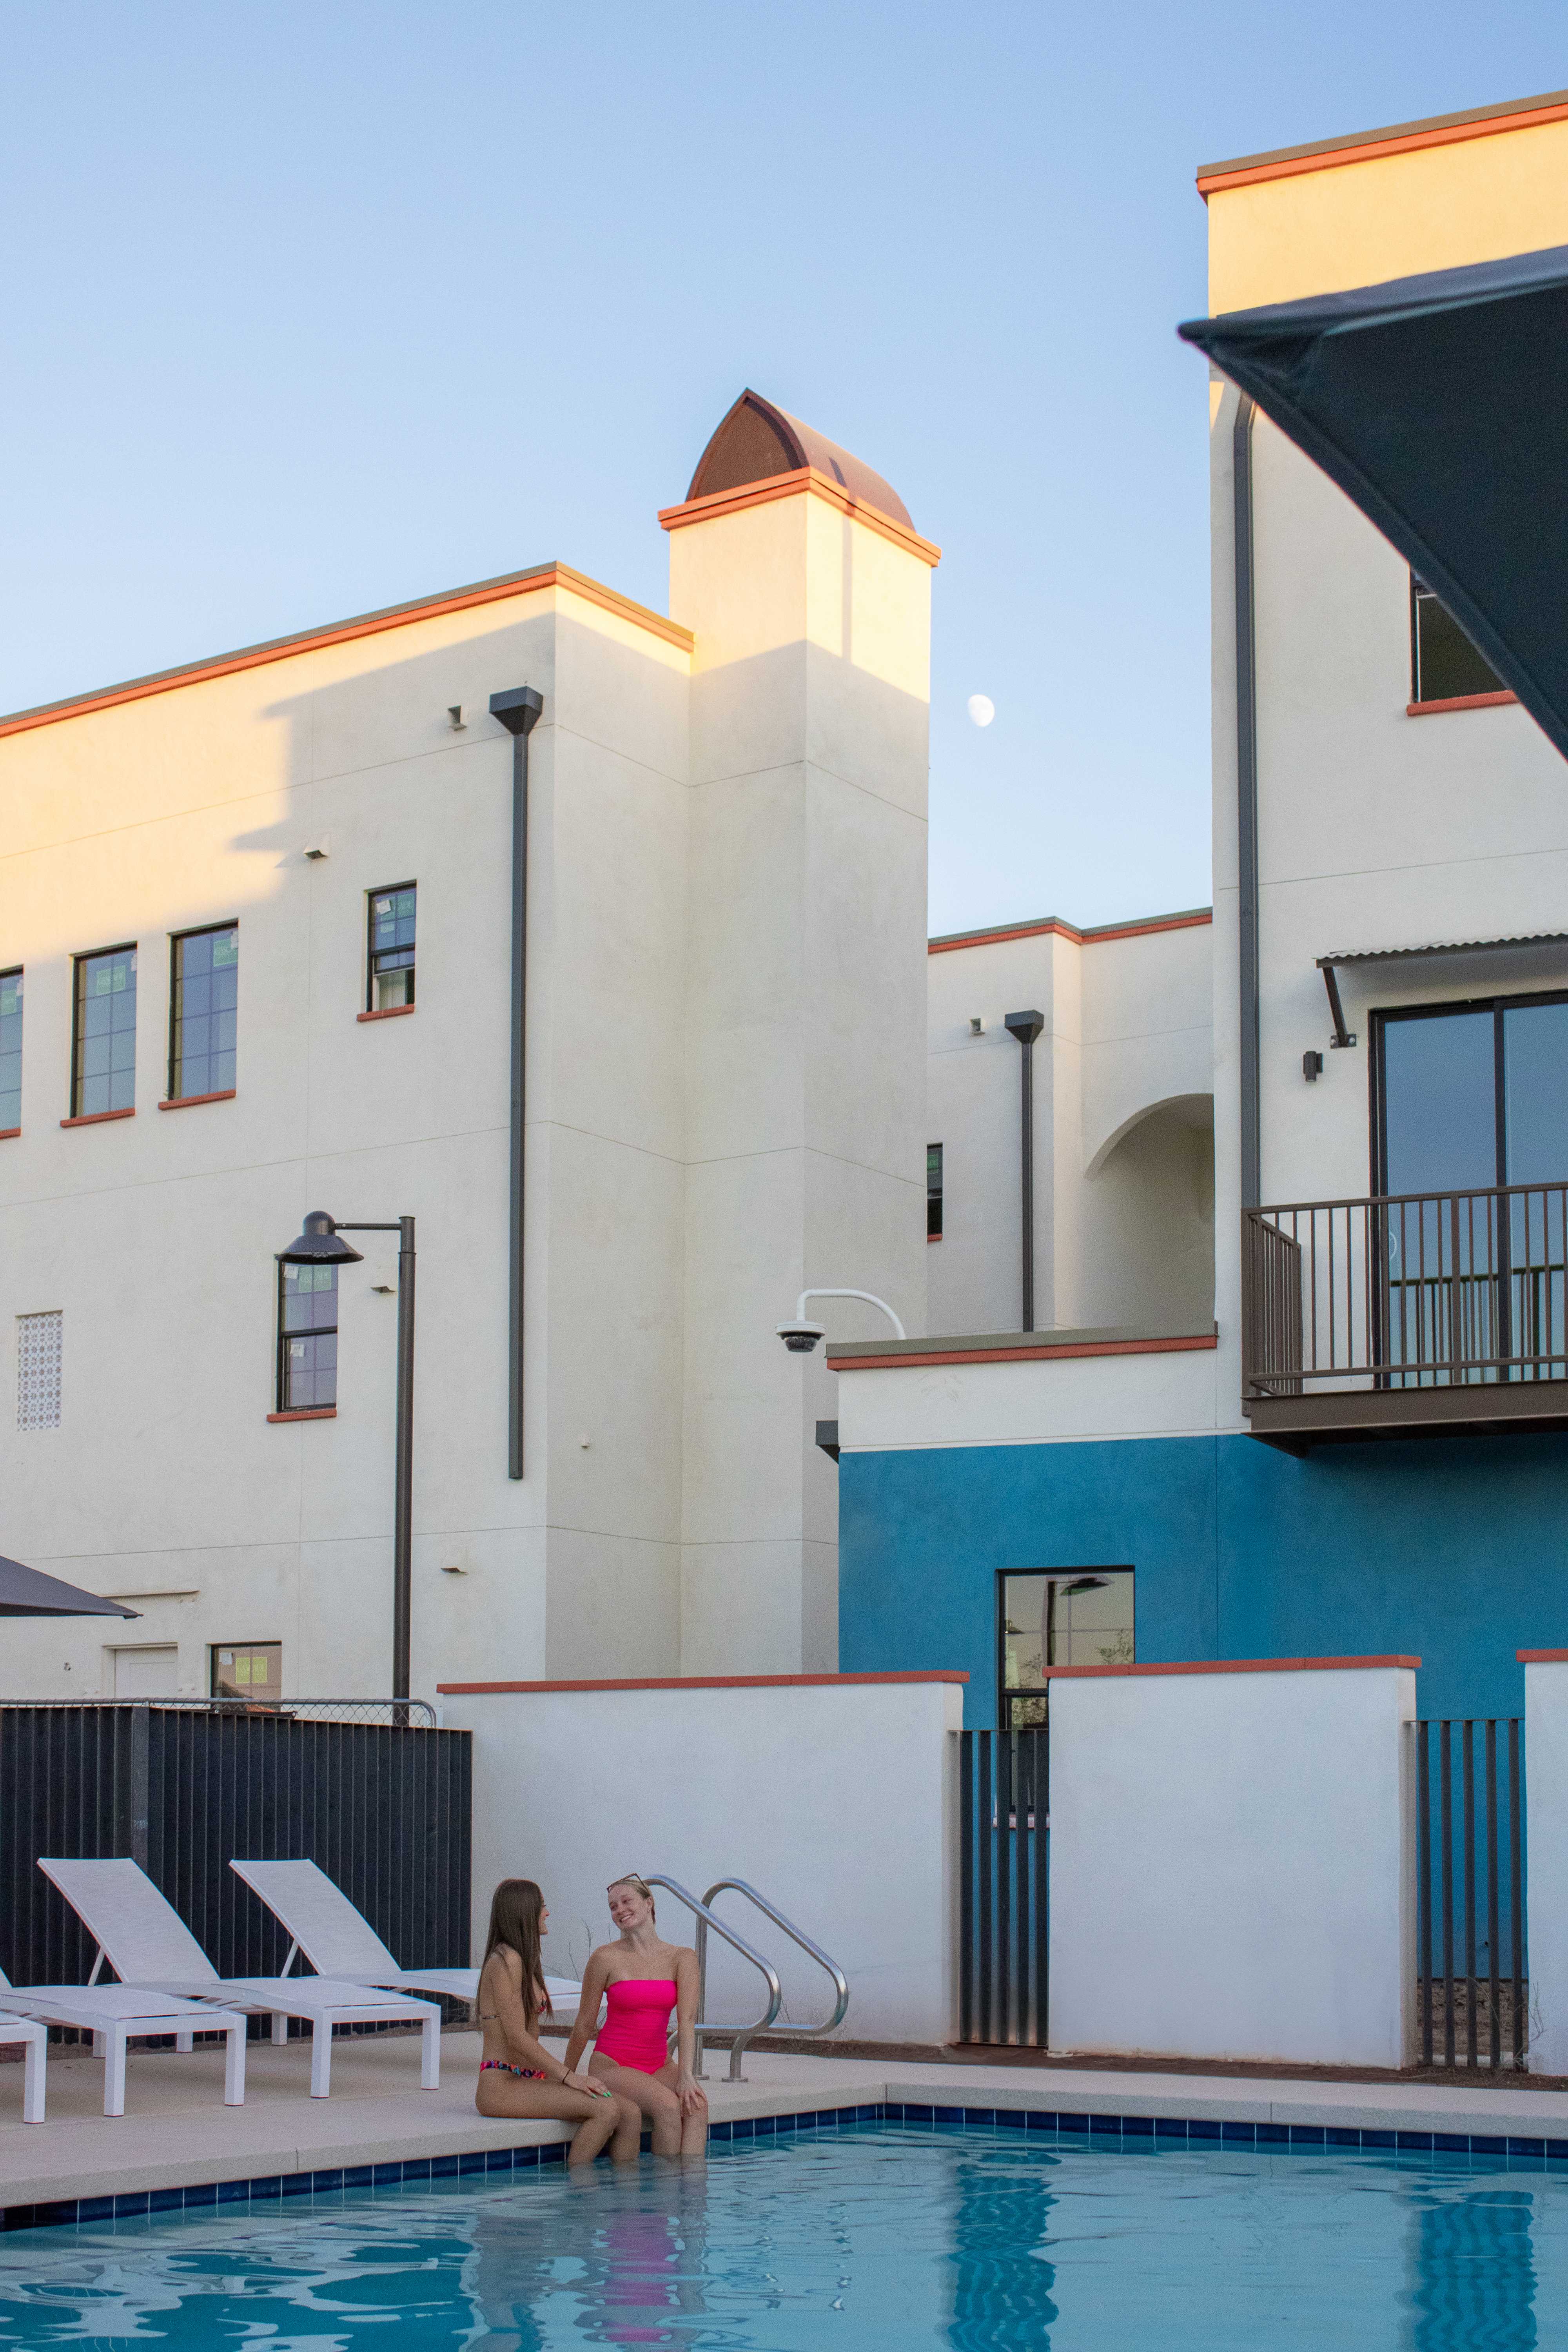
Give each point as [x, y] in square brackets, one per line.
[1472, 1968]
[1418, 1290]
[384, 1808]
[1003, 1890]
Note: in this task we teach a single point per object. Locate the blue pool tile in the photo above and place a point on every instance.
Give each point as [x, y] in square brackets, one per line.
[95, 2209]
[1526, 2147]
[1041, 2119]
[1169, 2126]
[62, 2214]
[1307, 2135]
[1239, 2135]
[947, 2115]
[473, 2161]
[165, 2200]
[357, 2176]
[233, 2192]
[200, 2193]
[381, 2174]
[554, 2154]
[296, 2184]
[498, 2160]
[743, 2128]
[1557, 2148]
[1452, 2143]
[1484, 2146]
[875, 2111]
[267, 2184]
[129, 2204]
[1415, 2139]
[1344, 2136]
[1272, 2135]
[913, 2115]
[323, 2183]
[1106, 2124]
[1201, 2127]
[983, 2118]
[1007, 2119]
[717, 2131]
[1138, 2126]
[417, 2167]
[1380, 2138]
[443, 2167]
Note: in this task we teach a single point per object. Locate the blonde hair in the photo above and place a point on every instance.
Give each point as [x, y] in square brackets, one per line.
[634, 1879]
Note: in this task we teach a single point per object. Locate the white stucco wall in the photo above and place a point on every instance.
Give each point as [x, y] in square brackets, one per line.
[1546, 1861]
[1231, 1865]
[831, 1796]
[1155, 1393]
[1123, 1181]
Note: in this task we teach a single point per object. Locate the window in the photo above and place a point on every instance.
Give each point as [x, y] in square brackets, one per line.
[1443, 664]
[10, 1050]
[933, 1192]
[103, 1049]
[247, 1670]
[391, 947]
[204, 990]
[38, 1345]
[1470, 1095]
[1058, 1617]
[307, 1338]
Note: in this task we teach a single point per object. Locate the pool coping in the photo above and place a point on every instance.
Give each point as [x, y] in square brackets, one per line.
[779, 2112]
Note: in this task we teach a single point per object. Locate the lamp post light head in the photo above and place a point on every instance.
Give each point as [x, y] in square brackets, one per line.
[321, 1243]
[800, 1339]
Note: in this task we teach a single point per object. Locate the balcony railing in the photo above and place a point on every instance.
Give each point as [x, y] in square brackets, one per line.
[1406, 1312]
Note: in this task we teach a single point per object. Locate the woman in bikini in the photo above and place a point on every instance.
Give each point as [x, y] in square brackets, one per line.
[517, 2074]
[643, 1979]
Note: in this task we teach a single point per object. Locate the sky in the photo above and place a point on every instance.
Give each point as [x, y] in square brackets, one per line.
[312, 308]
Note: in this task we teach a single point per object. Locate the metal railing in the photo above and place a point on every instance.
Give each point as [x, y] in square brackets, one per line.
[1406, 1290]
[740, 2038]
[1004, 1961]
[1472, 1970]
[408, 1714]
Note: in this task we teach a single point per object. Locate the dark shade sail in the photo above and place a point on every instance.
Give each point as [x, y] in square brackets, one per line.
[1440, 405]
[25, 1593]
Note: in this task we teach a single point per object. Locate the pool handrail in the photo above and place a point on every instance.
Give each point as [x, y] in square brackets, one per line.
[742, 2036]
[795, 1935]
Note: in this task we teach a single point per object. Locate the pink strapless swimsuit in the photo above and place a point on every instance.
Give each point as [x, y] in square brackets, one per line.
[637, 2030]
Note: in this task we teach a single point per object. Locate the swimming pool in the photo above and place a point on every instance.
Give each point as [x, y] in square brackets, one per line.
[869, 2237]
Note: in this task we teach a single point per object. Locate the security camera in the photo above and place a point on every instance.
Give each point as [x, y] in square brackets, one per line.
[800, 1339]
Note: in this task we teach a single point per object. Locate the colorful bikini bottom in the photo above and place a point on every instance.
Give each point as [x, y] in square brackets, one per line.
[505, 2067]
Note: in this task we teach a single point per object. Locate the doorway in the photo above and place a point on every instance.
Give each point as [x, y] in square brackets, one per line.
[146, 1672]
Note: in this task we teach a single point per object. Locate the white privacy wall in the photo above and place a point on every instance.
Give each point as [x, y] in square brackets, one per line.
[831, 1795]
[1231, 1864]
[1546, 1861]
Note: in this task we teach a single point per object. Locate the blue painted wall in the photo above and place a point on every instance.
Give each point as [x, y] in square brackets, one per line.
[1456, 1551]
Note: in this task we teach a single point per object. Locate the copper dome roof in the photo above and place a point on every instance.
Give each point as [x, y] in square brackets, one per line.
[757, 440]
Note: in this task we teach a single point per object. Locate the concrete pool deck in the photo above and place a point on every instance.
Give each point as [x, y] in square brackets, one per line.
[177, 2135]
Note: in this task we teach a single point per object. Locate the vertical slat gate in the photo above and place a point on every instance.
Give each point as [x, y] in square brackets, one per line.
[1469, 1847]
[1004, 1888]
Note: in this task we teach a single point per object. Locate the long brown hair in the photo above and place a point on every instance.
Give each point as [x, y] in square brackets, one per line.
[515, 1908]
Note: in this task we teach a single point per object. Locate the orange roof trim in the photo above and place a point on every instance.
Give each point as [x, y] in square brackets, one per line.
[364, 625]
[788, 486]
[1398, 139]
[1095, 936]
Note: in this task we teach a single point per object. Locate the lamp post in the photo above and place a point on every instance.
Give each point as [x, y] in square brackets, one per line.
[319, 1244]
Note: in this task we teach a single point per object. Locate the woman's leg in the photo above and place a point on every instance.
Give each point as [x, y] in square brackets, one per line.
[501, 2094]
[693, 2128]
[650, 2093]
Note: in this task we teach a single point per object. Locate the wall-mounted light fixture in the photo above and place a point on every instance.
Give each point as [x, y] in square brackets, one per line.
[1311, 1066]
[977, 1024]
[321, 848]
[455, 714]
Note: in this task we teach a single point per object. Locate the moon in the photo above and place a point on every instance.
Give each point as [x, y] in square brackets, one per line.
[981, 708]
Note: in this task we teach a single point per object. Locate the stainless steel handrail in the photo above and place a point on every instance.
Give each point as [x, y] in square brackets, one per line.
[813, 1951]
[742, 2037]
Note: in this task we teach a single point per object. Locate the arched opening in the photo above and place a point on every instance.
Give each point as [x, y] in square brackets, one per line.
[1149, 1237]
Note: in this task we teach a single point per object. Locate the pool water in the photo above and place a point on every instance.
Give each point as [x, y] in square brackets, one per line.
[869, 2238]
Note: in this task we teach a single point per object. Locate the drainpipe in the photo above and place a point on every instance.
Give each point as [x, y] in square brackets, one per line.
[1246, 804]
[1026, 1027]
[518, 712]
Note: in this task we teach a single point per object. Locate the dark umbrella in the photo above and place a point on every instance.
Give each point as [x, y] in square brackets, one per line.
[24, 1592]
[1440, 405]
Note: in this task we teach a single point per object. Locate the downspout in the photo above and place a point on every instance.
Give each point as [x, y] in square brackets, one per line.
[518, 712]
[1246, 804]
[1025, 1027]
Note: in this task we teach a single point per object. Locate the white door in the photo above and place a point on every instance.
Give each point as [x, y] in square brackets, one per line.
[146, 1673]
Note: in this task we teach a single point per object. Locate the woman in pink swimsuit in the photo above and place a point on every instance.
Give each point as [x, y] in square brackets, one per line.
[642, 1979]
[517, 2076]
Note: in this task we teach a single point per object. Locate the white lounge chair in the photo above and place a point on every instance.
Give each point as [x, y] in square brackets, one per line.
[34, 2039]
[149, 1946]
[115, 2015]
[338, 1939]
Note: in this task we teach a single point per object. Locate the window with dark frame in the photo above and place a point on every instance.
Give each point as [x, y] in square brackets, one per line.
[1443, 664]
[391, 916]
[933, 1192]
[1470, 1094]
[307, 1338]
[1057, 1617]
[104, 1033]
[10, 1049]
[203, 995]
[251, 1670]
